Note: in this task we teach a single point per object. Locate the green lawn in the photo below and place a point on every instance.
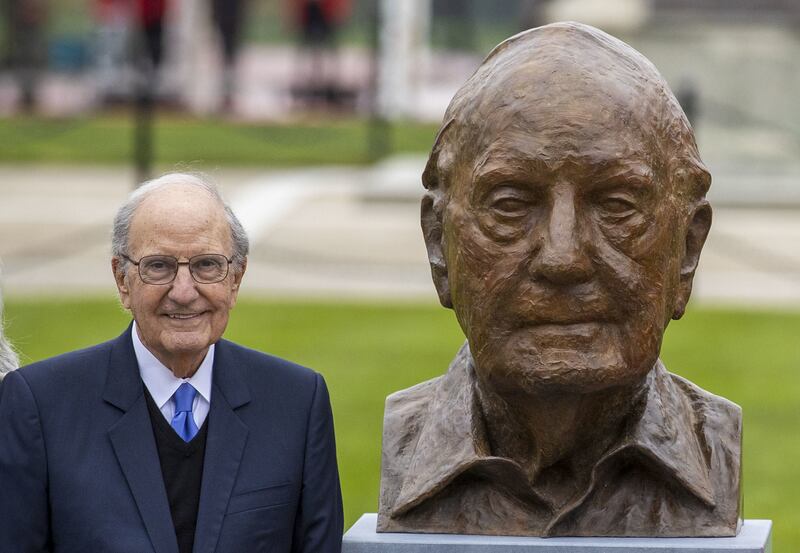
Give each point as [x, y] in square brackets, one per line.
[202, 142]
[367, 351]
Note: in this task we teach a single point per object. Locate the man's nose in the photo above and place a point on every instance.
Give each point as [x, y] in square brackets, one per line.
[183, 289]
[561, 253]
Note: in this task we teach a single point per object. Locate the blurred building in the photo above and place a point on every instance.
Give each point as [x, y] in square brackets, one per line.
[735, 66]
[735, 63]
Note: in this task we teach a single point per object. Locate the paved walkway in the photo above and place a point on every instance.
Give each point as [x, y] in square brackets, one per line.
[331, 233]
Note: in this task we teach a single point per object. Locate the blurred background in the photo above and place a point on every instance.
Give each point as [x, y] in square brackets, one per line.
[316, 117]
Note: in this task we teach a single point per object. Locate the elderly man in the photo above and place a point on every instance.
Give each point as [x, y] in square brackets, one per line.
[564, 217]
[169, 439]
[8, 359]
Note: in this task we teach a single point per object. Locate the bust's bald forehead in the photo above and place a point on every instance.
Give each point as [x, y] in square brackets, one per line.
[554, 75]
[570, 83]
[554, 58]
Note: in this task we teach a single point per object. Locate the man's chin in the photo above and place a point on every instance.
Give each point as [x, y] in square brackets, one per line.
[186, 343]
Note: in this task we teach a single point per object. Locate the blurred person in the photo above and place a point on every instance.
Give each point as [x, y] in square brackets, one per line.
[688, 96]
[169, 438]
[111, 56]
[530, 14]
[26, 46]
[150, 20]
[8, 357]
[227, 17]
[148, 55]
[318, 23]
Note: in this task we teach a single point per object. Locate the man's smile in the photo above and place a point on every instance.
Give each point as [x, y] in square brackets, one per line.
[184, 316]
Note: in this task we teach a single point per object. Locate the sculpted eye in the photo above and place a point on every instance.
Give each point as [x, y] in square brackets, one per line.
[614, 205]
[507, 209]
[511, 200]
[510, 207]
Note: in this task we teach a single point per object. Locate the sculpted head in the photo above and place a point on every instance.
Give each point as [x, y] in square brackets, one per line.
[179, 255]
[565, 212]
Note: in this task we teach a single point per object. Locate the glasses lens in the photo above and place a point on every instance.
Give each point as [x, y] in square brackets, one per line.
[157, 269]
[209, 268]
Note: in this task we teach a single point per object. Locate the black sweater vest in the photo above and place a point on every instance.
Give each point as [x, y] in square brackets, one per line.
[182, 470]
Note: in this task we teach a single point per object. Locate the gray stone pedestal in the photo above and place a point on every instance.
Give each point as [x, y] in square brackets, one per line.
[755, 537]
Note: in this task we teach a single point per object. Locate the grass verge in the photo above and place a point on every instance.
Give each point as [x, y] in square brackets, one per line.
[366, 351]
[108, 139]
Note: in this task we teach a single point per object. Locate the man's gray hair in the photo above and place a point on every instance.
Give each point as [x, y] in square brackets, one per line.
[122, 221]
[8, 357]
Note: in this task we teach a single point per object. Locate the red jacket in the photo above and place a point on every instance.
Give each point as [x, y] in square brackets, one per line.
[149, 12]
[334, 11]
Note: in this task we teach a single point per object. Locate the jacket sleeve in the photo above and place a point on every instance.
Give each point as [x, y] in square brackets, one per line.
[319, 523]
[24, 519]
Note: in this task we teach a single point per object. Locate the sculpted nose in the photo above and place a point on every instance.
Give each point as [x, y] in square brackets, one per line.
[183, 289]
[562, 255]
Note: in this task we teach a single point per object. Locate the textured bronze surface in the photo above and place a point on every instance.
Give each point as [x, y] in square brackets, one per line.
[564, 217]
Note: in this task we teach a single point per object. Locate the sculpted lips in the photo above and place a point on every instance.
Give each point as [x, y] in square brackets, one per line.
[544, 307]
[572, 328]
[577, 315]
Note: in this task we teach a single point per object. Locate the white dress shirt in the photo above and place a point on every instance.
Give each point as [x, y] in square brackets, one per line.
[162, 384]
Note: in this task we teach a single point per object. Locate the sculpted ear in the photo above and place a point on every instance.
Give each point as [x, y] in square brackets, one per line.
[696, 233]
[432, 232]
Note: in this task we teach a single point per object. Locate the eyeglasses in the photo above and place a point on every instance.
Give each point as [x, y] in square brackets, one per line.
[207, 268]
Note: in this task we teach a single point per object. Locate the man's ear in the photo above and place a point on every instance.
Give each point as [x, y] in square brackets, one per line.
[237, 282]
[432, 232]
[122, 285]
[696, 233]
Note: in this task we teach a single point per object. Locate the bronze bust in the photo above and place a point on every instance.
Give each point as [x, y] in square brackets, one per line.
[564, 216]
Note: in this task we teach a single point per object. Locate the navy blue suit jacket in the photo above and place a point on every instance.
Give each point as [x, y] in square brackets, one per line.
[79, 470]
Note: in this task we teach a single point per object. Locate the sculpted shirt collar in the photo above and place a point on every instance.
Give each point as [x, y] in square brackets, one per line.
[453, 438]
[162, 383]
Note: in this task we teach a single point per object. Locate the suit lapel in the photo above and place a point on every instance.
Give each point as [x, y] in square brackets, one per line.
[134, 445]
[227, 436]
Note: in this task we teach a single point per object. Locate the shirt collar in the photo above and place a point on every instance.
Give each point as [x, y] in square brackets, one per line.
[161, 382]
[453, 436]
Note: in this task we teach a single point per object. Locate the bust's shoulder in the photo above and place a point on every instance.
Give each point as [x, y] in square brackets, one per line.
[411, 401]
[720, 418]
[404, 416]
[403, 421]
[717, 424]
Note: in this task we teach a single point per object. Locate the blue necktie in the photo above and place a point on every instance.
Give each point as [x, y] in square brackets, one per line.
[183, 421]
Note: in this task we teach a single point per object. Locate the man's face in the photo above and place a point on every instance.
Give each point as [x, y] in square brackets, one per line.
[563, 247]
[180, 320]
